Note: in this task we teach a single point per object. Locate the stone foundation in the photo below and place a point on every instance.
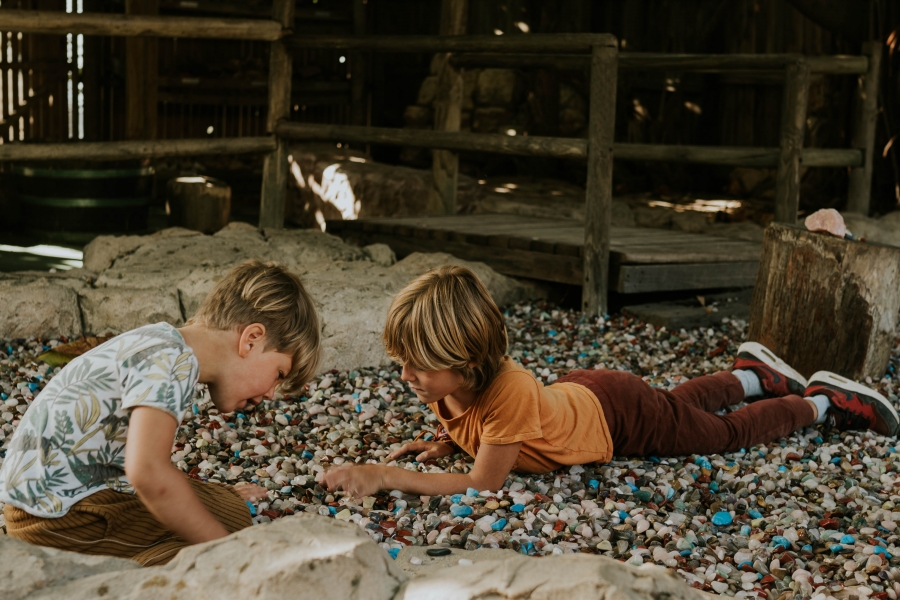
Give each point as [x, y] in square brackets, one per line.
[130, 281]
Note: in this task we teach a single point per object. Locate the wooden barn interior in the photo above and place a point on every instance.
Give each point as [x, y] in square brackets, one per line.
[624, 146]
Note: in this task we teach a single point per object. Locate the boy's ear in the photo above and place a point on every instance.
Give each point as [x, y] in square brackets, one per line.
[253, 335]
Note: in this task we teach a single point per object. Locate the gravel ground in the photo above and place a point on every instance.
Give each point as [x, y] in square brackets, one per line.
[812, 515]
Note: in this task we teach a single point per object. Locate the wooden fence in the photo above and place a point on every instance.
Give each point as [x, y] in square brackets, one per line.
[595, 52]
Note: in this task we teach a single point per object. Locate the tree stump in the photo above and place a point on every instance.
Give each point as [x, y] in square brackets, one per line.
[199, 203]
[825, 303]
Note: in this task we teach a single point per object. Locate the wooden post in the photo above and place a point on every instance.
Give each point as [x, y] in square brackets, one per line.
[793, 120]
[447, 112]
[358, 103]
[275, 167]
[825, 303]
[598, 201]
[865, 114]
[141, 77]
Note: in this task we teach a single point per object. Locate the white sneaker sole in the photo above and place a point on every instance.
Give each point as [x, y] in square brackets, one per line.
[766, 356]
[836, 380]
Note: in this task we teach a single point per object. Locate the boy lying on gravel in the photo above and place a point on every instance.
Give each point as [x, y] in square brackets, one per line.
[450, 337]
[89, 468]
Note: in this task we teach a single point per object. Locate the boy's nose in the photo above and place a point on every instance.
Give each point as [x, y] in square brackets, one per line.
[406, 374]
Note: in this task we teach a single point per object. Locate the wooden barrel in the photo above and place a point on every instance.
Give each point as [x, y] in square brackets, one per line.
[198, 202]
[113, 200]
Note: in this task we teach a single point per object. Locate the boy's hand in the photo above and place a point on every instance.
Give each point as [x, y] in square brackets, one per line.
[356, 480]
[426, 450]
[252, 492]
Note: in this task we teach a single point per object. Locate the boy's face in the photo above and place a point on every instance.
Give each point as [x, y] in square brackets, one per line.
[251, 374]
[431, 386]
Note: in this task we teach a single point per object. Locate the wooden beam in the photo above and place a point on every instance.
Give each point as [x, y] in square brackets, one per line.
[567, 43]
[53, 22]
[447, 112]
[275, 166]
[645, 61]
[793, 122]
[101, 151]
[568, 148]
[141, 77]
[636, 279]
[598, 199]
[865, 114]
[572, 148]
[358, 99]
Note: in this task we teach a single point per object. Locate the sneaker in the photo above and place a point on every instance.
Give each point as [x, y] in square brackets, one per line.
[854, 406]
[777, 378]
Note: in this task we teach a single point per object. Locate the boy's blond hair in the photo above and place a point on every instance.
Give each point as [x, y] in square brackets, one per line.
[446, 319]
[269, 294]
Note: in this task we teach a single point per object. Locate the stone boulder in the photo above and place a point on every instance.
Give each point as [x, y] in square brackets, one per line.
[324, 186]
[26, 569]
[885, 230]
[308, 556]
[498, 87]
[301, 557]
[166, 276]
[115, 310]
[567, 577]
[38, 306]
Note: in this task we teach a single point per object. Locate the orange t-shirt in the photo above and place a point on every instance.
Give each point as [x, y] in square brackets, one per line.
[559, 425]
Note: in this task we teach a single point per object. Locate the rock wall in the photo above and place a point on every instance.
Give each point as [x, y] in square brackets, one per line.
[317, 558]
[130, 281]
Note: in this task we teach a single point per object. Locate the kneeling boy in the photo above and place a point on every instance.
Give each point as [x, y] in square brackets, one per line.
[89, 468]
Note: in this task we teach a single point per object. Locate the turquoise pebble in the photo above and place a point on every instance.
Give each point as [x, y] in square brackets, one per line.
[780, 540]
[836, 548]
[196, 409]
[460, 511]
[307, 454]
[332, 510]
[745, 530]
[252, 509]
[286, 489]
[455, 498]
[848, 539]
[517, 507]
[880, 550]
[685, 552]
[471, 492]
[498, 524]
[722, 518]
[755, 514]
[394, 552]
[593, 484]
[713, 486]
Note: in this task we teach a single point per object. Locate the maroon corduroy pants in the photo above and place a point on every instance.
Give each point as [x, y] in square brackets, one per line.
[647, 421]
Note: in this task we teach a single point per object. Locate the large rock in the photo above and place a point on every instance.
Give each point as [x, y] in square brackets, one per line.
[301, 557]
[37, 307]
[318, 558]
[166, 276]
[26, 569]
[326, 185]
[115, 310]
[885, 230]
[573, 577]
[498, 87]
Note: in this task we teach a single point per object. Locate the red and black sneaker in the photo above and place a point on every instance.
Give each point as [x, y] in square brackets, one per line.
[777, 378]
[854, 406]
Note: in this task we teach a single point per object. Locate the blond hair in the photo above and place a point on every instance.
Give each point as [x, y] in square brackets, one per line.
[446, 319]
[269, 294]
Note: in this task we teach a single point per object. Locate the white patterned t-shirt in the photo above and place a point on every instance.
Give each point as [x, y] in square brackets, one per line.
[71, 441]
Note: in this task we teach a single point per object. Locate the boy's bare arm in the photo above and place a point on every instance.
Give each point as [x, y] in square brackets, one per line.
[492, 466]
[163, 488]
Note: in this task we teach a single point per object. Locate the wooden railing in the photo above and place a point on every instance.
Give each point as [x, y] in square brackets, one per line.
[596, 53]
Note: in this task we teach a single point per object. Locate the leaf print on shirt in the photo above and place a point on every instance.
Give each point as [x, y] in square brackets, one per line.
[71, 442]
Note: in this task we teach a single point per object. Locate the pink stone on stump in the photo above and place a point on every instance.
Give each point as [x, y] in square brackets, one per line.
[826, 220]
